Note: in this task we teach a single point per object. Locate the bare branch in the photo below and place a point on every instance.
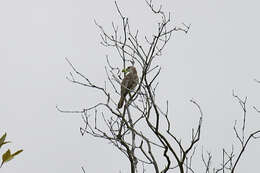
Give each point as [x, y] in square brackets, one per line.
[137, 129]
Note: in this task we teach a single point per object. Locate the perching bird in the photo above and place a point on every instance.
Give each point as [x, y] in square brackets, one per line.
[129, 83]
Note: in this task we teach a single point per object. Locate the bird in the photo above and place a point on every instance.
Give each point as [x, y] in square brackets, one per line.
[129, 83]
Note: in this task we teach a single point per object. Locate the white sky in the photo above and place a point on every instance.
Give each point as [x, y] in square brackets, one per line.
[220, 53]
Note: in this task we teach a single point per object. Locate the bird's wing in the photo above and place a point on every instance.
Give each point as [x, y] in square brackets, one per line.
[125, 82]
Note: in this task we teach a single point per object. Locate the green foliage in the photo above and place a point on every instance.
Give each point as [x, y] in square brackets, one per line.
[7, 156]
[2, 140]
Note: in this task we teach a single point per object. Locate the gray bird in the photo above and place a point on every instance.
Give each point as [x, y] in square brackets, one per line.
[129, 83]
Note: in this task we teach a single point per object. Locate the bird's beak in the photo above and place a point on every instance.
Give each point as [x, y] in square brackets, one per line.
[124, 70]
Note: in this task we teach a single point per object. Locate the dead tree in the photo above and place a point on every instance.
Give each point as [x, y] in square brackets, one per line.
[141, 130]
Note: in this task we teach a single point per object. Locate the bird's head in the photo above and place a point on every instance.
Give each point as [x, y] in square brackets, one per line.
[130, 69]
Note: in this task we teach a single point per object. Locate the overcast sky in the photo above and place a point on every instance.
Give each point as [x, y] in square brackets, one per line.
[220, 53]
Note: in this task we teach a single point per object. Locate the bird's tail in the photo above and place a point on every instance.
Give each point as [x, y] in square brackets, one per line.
[121, 102]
